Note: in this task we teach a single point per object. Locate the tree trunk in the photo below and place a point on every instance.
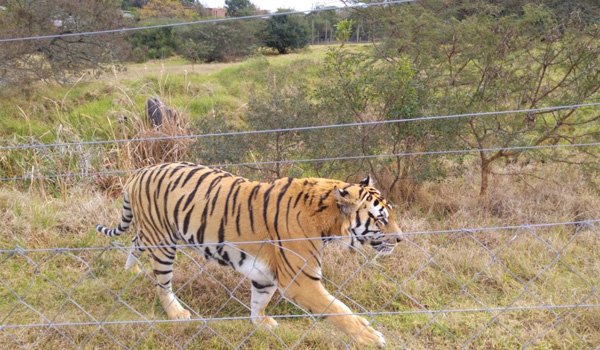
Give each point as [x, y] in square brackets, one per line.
[485, 175]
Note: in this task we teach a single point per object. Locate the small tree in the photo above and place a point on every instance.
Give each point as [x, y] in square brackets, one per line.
[343, 30]
[218, 41]
[239, 8]
[286, 32]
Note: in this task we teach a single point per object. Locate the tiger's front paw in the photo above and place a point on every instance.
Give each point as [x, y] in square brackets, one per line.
[367, 335]
[179, 314]
[265, 321]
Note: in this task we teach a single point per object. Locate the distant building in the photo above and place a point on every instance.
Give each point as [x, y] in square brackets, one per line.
[217, 12]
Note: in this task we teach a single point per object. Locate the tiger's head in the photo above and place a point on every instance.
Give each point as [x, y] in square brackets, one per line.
[368, 217]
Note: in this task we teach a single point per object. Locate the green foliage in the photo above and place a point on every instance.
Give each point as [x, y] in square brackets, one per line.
[286, 32]
[478, 56]
[322, 25]
[239, 8]
[218, 42]
[362, 88]
[343, 30]
[153, 44]
[278, 99]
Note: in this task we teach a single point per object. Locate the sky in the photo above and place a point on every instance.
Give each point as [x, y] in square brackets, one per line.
[272, 5]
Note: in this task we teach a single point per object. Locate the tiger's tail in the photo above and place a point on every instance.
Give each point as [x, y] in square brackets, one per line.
[126, 219]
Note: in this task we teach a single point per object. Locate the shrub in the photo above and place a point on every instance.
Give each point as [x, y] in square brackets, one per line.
[217, 42]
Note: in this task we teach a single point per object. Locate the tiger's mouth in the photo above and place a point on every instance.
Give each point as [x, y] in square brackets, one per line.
[382, 247]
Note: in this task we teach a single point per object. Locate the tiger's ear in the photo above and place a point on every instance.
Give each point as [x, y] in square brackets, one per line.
[345, 201]
[367, 181]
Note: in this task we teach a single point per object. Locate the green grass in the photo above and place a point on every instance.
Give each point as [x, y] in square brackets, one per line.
[436, 272]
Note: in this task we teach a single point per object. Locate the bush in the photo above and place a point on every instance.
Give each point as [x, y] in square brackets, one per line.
[217, 42]
[152, 44]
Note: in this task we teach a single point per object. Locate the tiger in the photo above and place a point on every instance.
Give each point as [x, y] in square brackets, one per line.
[217, 212]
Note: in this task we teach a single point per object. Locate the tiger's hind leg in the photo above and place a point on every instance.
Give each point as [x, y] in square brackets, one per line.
[261, 295]
[162, 265]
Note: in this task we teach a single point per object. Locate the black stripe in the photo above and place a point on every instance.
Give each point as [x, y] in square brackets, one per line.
[159, 260]
[145, 214]
[189, 176]
[202, 228]
[176, 213]
[235, 197]
[287, 216]
[298, 220]
[226, 209]
[321, 208]
[162, 175]
[177, 180]
[306, 195]
[323, 197]
[212, 184]
[278, 207]
[266, 199]
[151, 202]
[158, 272]
[250, 210]
[192, 194]
[237, 220]
[221, 234]
[311, 277]
[261, 286]
[186, 220]
[214, 200]
[298, 198]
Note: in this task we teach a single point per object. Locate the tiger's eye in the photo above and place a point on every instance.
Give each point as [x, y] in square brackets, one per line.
[376, 203]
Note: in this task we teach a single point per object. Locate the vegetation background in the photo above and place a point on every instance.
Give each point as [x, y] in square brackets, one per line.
[431, 57]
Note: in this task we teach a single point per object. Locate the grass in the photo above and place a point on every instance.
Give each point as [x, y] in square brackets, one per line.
[478, 270]
[447, 271]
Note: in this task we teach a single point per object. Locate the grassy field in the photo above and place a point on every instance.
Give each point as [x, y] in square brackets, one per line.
[471, 271]
[478, 270]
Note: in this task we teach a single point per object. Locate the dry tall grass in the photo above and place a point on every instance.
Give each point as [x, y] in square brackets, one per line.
[549, 266]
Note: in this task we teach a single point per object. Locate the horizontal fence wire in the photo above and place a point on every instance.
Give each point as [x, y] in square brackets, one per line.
[204, 21]
[292, 316]
[314, 160]
[579, 223]
[303, 128]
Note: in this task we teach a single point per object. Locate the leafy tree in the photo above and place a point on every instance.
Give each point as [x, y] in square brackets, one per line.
[153, 43]
[219, 41]
[286, 32]
[58, 59]
[357, 87]
[477, 56]
[239, 8]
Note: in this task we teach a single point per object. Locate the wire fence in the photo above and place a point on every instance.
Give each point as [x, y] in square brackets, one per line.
[512, 112]
[87, 170]
[526, 285]
[466, 287]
